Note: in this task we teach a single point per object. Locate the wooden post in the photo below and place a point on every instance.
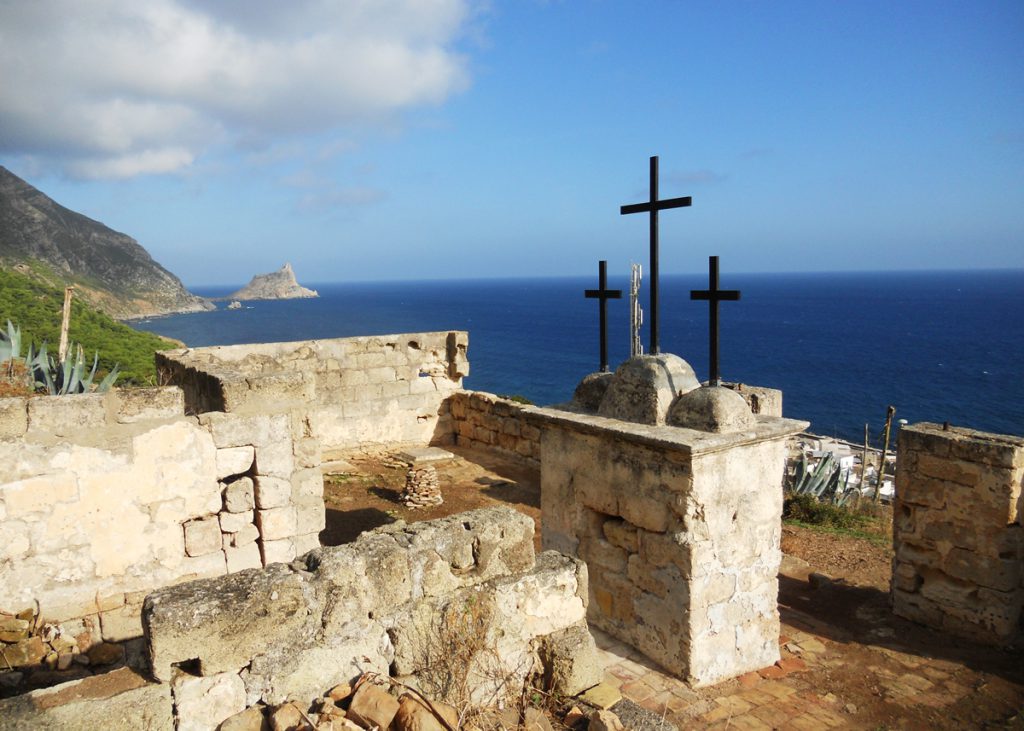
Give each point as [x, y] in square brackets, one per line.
[889, 413]
[65, 323]
[863, 466]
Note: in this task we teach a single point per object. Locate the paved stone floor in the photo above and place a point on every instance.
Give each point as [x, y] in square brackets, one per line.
[776, 698]
[846, 660]
[896, 689]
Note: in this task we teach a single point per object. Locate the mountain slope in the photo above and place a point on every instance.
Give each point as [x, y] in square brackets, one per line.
[59, 246]
[279, 285]
[36, 309]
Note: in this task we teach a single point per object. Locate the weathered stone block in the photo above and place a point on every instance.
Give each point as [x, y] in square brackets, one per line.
[622, 534]
[224, 623]
[276, 523]
[598, 552]
[308, 485]
[307, 453]
[13, 417]
[246, 556]
[38, 494]
[66, 416]
[204, 567]
[278, 551]
[244, 536]
[310, 517]
[571, 662]
[14, 540]
[272, 492]
[202, 703]
[303, 671]
[234, 461]
[148, 404]
[239, 496]
[236, 522]
[121, 623]
[202, 537]
[120, 700]
[275, 460]
[304, 543]
[236, 430]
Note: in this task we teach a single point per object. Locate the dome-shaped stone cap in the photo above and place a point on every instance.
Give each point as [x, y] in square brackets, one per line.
[591, 390]
[713, 409]
[644, 387]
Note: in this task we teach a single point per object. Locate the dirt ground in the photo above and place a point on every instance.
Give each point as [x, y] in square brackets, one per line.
[851, 663]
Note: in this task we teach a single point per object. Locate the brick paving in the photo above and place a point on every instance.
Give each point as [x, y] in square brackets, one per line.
[861, 669]
[790, 695]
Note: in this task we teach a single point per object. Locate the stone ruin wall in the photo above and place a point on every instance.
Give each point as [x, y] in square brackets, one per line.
[957, 533]
[376, 390]
[292, 632]
[680, 531]
[105, 497]
[485, 421]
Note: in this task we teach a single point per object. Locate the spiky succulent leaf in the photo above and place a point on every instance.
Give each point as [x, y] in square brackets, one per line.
[108, 382]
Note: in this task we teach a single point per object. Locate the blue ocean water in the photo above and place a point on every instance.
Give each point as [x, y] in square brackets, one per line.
[939, 346]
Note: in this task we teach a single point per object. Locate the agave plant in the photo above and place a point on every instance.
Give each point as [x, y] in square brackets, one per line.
[60, 378]
[822, 482]
[10, 343]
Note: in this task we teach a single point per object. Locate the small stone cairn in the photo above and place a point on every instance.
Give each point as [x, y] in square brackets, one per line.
[421, 487]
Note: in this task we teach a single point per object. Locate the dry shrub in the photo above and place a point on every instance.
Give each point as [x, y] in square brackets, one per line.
[460, 660]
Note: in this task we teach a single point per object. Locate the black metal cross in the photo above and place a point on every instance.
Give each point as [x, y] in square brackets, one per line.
[653, 206]
[603, 294]
[714, 295]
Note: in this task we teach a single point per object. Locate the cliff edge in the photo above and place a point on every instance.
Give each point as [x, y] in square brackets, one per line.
[57, 246]
[279, 285]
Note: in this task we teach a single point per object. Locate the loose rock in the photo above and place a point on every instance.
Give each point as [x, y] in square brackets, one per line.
[251, 719]
[414, 715]
[289, 717]
[605, 721]
[372, 705]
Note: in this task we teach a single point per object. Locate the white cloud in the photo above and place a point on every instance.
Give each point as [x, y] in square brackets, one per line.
[114, 88]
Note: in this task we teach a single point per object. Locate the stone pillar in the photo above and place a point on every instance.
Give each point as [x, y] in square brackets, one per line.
[959, 544]
[680, 531]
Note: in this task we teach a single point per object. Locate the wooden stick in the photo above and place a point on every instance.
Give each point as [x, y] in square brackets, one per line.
[889, 413]
[864, 464]
[65, 323]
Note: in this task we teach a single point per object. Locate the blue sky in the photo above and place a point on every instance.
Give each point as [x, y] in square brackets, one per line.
[406, 139]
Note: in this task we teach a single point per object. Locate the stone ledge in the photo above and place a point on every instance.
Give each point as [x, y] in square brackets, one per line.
[121, 699]
[687, 441]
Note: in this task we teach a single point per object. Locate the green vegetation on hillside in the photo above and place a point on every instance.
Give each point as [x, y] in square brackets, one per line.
[36, 309]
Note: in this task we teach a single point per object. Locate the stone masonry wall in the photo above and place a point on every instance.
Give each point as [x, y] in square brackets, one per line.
[293, 632]
[365, 390]
[104, 497]
[957, 534]
[680, 531]
[486, 421]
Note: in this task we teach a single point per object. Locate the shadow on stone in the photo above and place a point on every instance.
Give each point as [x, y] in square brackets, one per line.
[344, 526]
[861, 615]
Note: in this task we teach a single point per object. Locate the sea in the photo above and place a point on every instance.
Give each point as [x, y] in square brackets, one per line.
[938, 346]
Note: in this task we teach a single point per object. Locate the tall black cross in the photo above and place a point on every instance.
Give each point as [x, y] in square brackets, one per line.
[714, 295]
[653, 206]
[602, 295]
